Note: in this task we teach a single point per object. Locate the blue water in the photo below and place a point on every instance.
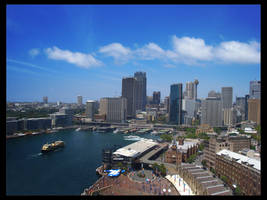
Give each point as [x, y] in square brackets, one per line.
[66, 171]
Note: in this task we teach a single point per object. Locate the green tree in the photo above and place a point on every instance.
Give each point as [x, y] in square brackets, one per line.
[204, 163]
[224, 179]
[217, 130]
[238, 190]
[201, 147]
[166, 137]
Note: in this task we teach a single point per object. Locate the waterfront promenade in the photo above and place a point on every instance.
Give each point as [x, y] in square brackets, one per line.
[182, 187]
[125, 185]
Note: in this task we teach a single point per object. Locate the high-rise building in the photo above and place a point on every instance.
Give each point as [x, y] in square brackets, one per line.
[254, 110]
[115, 109]
[167, 103]
[189, 106]
[45, 100]
[129, 92]
[241, 106]
[227, 97]
[246, 106]
[90, 109]
[156, 97]
[195, 89]
[140, 90]
[212, 93]
[176, 92]
[79, 100]
[211, 112]
[228, 116]
[189, 90]
[255, 90]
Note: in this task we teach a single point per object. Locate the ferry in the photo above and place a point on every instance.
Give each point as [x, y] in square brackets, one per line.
[53, 146]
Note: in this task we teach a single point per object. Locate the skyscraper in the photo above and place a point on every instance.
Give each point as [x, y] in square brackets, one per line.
[211, 111]
[189, 90]
[129, 92]
[156, 97]
[140, 90]
[45, 99]
[227, 97]
[79, 100]
[212, 93]
[254, 110]
[167, 104]
[246, 106]
[195, 89]
[255, 90]
[90, 108]
[176, 92]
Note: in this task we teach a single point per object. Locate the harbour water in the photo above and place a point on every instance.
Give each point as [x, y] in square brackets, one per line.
[66, 171]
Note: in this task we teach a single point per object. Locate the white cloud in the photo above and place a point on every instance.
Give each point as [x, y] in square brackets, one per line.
[77, 58]
[117, 51]
[34, 52]
[150, 51]
[192, 48]
[238, 52]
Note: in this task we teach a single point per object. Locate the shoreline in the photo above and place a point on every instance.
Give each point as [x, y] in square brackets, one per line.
[47, 131]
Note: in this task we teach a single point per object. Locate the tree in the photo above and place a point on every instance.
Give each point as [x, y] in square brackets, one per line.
[224, 179]
[238, 191]
[201, 147]
[166, 137]
[258, 129]
[204, 163]
[217, 130]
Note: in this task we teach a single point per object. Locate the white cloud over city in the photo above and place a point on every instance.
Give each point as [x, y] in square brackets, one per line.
[77, 58]
[188, 50]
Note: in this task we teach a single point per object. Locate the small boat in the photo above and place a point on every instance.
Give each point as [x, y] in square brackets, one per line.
[53, 146]
[154, 133]
[78, 129]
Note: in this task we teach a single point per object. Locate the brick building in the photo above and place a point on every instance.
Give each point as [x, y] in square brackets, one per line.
[201, 182]
[232, 143]
[180, 151]
[204, 128]
[239, 170]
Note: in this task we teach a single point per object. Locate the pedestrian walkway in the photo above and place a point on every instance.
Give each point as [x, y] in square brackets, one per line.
[181, 186]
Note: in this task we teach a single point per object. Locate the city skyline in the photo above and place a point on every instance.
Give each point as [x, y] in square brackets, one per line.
[65, 51]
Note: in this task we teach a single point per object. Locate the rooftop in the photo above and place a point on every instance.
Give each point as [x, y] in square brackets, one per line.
[241, 158]
[135, 149]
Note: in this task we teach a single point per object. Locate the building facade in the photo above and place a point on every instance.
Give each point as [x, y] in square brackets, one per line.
[254, 110]
[176, 92]
[61, 119]
[140, 90]
[38, 123]
[233, 143]
[227, 97]
[255, 90]
[90, 109]
[211, 112]
[115, 109]
[156, 97]
[129, 92]
[79, 100]
[239, 170]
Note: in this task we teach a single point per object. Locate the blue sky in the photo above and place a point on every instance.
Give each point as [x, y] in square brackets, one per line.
[62, 51]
